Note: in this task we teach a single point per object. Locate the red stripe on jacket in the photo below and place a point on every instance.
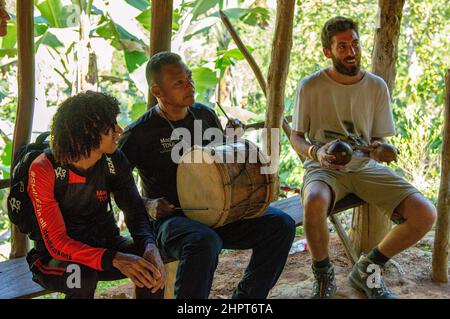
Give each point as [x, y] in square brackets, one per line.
[51, 223]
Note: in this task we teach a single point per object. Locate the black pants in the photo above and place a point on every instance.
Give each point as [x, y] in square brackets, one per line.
[61, 276]
[197, 247]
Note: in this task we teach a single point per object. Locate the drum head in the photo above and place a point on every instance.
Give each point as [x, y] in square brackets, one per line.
[200, 184]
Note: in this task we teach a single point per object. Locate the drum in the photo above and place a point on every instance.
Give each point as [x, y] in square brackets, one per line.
[220, 184]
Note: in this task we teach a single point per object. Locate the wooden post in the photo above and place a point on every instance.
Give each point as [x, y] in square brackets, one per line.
[276, 80]
[370, 224]
[441, 239]
[160, 33]
[253, 65]
[385, 51]
[87, 74]
[25, 107]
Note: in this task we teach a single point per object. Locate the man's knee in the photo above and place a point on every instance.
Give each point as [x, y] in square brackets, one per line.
[317, 200]
[205, 241]
[283, 224]
[418, 211]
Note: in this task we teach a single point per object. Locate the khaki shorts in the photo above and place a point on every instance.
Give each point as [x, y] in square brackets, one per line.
[375, 184]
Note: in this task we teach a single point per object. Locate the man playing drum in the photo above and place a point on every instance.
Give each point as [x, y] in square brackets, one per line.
[147, 144]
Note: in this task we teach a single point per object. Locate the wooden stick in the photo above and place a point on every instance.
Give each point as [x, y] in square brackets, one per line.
[441, 239]
[25, 107]
[256, 70]
[279, 66]
[248, 56]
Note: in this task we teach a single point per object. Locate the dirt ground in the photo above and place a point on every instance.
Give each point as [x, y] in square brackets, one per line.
[408, 276]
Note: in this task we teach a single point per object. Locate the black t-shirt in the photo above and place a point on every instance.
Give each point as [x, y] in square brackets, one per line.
[147, 144]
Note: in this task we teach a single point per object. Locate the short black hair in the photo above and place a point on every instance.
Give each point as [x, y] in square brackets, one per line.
[78, 124]
[157, 61]
[334, 26]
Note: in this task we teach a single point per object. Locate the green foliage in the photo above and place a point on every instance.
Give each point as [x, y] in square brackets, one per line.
[202, 6]
[56, 15]
[144, 19]
[204, 79]
[142, 5]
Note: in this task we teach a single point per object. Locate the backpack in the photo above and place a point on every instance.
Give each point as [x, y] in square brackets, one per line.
[20, 208]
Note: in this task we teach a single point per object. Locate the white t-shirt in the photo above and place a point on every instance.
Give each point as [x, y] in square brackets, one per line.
[326, 110]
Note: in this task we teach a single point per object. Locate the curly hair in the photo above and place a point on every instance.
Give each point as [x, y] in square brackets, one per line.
[334, 26]
[79, 123]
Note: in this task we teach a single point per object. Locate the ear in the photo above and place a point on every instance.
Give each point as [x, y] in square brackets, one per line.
[156, 90]
[327, 53]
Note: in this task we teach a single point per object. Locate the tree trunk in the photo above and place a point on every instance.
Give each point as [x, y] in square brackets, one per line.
[385, 51]
[441, 239]
[224, 92]
[160, 33]
[87, 74]
[278, 70]
[370, 224]
[25, 107]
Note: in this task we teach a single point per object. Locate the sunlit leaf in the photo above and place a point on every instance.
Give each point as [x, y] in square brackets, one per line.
[145, 19]
[134, 59]
[202, 6]
[139, 4]
[137, 110]
[204, 79]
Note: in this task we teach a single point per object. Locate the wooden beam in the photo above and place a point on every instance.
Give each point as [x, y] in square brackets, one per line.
[25, 107]
[442, 236]
[248, 56]
[385, 51]
[276, 79]
[160, 33]
[253, 65]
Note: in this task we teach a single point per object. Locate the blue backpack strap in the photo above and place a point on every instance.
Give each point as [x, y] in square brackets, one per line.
[61, 176]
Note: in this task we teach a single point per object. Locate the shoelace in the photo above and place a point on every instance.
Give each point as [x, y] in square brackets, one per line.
[383, 289]
[322, 279]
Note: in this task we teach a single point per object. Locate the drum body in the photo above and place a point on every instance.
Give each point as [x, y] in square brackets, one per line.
[227, 180]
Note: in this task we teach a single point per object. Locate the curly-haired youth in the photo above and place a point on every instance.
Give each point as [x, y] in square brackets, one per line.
[79, 123]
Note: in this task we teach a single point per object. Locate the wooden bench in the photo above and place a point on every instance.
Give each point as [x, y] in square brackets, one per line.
[15, 276]
[16, 282]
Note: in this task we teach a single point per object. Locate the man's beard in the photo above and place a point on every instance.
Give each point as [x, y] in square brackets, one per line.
[341, 68]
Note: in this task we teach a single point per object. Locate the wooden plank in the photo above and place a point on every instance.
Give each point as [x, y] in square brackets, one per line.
[293, 206]
[16, 282]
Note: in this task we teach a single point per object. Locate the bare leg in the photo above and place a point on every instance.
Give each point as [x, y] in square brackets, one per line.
[316, 203]
[420, 215]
